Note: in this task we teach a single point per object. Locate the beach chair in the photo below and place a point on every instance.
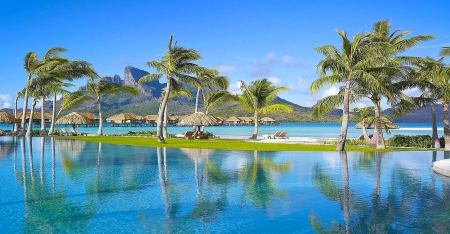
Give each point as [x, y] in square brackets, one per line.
[64, 132]
[200, 135]
[2, 133]
[189, 135]
[275, 135]
[282, 135]
[75, 133]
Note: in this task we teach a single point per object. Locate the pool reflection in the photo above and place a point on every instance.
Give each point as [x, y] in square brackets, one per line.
[63, 185]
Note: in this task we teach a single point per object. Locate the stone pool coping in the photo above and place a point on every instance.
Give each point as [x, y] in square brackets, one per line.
[442, 167]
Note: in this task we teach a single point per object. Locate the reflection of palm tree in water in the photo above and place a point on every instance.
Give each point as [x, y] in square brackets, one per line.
[259, 187]
[46, 210]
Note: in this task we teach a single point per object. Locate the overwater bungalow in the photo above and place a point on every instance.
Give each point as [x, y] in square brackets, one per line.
[125, 120]
[233, 121]
[268, 120]
[36, 117]
[94, 118]
[247, 120]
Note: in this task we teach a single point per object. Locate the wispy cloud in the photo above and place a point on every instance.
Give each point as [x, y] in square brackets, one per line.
[234, 88]
[263, 67]
[301, 87]
[5, 101]
[226, 69]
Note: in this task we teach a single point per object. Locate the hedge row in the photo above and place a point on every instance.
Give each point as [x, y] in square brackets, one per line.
[417, 141]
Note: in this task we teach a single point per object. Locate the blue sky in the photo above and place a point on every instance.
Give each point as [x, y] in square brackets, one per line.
[246, 40]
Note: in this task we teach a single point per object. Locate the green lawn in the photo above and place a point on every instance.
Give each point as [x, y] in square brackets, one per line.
[227, 144]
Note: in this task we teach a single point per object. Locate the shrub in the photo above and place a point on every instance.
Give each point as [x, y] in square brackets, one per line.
[418, 141]
[442, 141]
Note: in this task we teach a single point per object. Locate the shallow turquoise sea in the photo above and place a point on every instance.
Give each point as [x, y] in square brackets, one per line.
[69, 186]
[325, 130]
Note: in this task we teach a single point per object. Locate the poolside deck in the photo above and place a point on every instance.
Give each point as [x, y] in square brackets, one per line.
[442, 167]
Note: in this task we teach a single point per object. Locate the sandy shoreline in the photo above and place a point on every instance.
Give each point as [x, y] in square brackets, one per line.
[290, 140]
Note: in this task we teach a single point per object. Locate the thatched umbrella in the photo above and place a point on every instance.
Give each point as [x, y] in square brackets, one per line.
[6, 117]
[89, 116]
[371, 125]
[199, 119]
[73, 118]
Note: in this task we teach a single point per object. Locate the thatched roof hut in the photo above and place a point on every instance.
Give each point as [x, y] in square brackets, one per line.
[151, 118]
[267, 120]
[122, 118]
[233, 120]
[36, 115]
[73, 118]
[199, 119]
[89, 116]
[6, 117]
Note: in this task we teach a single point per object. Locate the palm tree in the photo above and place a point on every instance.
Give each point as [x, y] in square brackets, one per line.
[19, 94]
[209, 79]
[176, 65]
[30, 62]
[366, 117]
[445, 52]
[176, 92]
[390, 75]
[346, 65]
[95, 89]
[258, 98]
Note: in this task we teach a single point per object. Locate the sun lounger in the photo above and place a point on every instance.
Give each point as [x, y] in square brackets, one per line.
[200, 135]
[275, 135]
[75, 133]
[64, 132]
[189, 134]
[282, 136]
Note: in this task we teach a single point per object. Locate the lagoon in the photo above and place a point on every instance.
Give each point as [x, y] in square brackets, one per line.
[315, 130]
[66, 185]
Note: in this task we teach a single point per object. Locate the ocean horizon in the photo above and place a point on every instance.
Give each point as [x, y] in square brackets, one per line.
[316, 130]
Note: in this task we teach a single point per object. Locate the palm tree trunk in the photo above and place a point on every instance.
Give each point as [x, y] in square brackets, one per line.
[24, 110]
[371, 141]
[435, 139]
[100, 118]
[340, 146]
[378, 130]
[30, 122]
[196, 99]
[165, 134]
[162, 106]
[43, 130]
[446, 127]
[52, 126]
[255, 132]
[16, 125]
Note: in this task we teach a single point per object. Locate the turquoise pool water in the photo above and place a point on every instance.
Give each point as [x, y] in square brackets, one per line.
[68, 186]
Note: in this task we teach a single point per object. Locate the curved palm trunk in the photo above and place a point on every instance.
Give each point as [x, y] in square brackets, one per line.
[52, 126]
[16, 125]
[24, 110]
[446, 127]
[30, 122]
[43, 130]
[371, 141]
[340, 146]
[378, 131]
[100, 118]
[162, 106]
[435, 138]
[196, 99]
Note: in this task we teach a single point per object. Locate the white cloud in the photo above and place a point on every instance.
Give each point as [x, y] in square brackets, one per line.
[226, 69]
[235, 88]
[300, 87]
[275, 80]
[331, 91]
[5, 101]
[289, 61]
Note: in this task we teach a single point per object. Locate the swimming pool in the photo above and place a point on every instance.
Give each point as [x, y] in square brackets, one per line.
[63, 185]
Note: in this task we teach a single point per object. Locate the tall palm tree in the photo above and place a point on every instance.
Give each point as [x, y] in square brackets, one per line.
[176, 92]
[258, 98]
[95, 89]
[390, 74]
[176, 65]
[344, 65]
[30, 62]
[19, 94]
